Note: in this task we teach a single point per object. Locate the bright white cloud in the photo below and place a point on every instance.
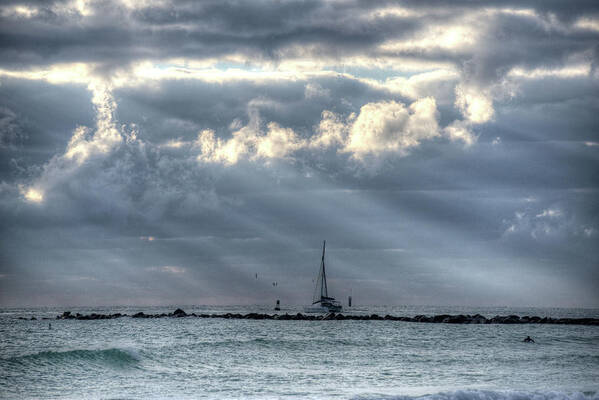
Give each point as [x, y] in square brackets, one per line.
[550, 213]
[21, 11]
[451, 37]
[278, 142]
[32, 194]
[379, 128]
[460, 131]
[568, 71]
[475, 104]
[332, 130]
[587, 23]
[249, 141]
[106, 135]
[392, 127]
[62, 73]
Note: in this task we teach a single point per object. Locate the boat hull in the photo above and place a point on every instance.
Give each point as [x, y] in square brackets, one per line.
[323, 308]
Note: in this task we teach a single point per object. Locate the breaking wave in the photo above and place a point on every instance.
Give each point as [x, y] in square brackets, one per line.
[110, 357]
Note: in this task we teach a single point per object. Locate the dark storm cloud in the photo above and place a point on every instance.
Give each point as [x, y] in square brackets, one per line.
[37, 119]
[114, 35]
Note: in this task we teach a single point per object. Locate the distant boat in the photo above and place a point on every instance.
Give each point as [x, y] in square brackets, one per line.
[321, 302]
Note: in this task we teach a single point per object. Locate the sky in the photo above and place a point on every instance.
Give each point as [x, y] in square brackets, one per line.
[182, 152]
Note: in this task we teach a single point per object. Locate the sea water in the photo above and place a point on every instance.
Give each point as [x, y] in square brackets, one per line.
[195, 358]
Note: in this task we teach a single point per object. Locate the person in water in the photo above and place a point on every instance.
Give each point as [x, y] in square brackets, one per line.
[528, 339]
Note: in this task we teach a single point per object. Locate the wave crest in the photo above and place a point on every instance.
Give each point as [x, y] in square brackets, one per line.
[113, 357]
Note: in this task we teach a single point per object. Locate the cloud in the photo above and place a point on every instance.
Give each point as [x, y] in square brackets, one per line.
[379, 129]
[550, 213]
[168, 269]
[84, 144]
[249, 141]
[315, 90]
[11, 134]
[547, 225]
[460, 130]
[392, 127]
[332, 130]
[474, 104]
[31, 194]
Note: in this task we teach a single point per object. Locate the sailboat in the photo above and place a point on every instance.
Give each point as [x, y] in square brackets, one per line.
[321, 302]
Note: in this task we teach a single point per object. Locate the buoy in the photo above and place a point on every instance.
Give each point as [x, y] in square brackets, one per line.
[349, 301]
[278, 306]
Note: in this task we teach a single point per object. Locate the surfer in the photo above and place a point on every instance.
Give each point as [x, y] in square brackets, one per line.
[528, 339]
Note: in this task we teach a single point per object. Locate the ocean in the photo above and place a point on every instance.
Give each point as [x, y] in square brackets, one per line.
[200, 358]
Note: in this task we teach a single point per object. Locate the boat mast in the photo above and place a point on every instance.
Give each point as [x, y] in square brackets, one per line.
[323, 288]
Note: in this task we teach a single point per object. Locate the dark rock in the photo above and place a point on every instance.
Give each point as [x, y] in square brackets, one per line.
[496, 319]
[391, 318]
[457, 319]
[511, 319]
[441, 318]
[478, 319]
[423, 318]
[66, 315]
[33, 319]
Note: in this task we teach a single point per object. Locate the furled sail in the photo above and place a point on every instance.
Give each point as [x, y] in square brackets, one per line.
[320, 290]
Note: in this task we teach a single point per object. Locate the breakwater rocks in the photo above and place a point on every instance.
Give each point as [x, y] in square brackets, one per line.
[446, 319]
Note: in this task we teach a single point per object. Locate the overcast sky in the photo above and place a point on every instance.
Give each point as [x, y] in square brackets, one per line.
[166, 152]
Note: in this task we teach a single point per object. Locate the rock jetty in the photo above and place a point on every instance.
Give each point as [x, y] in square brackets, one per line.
[443, 319]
